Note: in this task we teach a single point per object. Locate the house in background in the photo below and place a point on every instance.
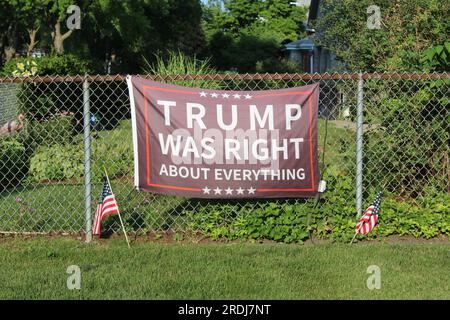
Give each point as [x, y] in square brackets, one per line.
[312, 57]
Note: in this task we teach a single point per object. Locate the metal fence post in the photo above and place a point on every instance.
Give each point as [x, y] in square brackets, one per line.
[87, 160]
[359, 144]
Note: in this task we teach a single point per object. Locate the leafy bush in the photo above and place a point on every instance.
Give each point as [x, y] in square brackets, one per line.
[361, 48]
[248, 35]
[334, 218]
[274, 65]
[58, 130]
[44, 102]
[67, 64]
[415, 219]
[437, 58]
[56, 163]
[15, 154]
[111, 149]
[257, 48]
[409, 151]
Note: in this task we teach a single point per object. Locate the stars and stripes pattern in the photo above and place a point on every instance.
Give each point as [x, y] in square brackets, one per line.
[107, 205]
[369, 217]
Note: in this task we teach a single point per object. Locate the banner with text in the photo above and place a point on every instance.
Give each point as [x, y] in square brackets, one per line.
[203, 143]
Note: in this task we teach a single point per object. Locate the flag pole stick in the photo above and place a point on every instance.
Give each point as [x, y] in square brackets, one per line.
[360, 227]
[356, 233]
[118, 212]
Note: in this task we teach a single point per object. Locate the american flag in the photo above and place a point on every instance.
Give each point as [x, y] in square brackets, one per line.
[106, 205]
[369, 217]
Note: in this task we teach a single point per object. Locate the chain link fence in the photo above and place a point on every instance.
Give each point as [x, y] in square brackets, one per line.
[403, 131]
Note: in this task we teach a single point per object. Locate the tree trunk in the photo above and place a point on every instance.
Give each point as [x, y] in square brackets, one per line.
[32, 34]
[2, 52]
[10, 52]
[58, 38]
[11, 42]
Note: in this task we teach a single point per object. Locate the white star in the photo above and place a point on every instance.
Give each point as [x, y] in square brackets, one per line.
[206, 190]
[217, 191]
[203, 94]
[240, 190]
[229, 190]
[225, 95]
[236, 96]
[251, 190]
[214, 95]
[247, 96]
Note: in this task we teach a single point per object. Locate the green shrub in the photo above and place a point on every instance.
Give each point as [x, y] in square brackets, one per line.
[274, 65]
[112, 150]
[334, 218]
[437, 58]
[15, 154]
[66, 64]
[256, 48]
[46, 101]
[42, 102]
[56, 163]
[58, 130]
[409, 153]
[415, 219]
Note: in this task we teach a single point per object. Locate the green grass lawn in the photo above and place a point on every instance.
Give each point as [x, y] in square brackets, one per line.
[42, 208]
[36, 269]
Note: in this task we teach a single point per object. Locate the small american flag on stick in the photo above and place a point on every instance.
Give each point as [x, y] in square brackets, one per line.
[369, 218]
[106, 206]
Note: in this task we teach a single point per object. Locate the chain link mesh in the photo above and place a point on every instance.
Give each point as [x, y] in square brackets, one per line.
[406, 149]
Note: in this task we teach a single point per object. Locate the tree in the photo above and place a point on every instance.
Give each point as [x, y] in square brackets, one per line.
[409, 152]
[408, 28]
[246, 34]
[278, 15]
[20, 22]
[119, 32]
[22, 19]
[8, 32]
[242, 13]
[12, 21]
[130, 30]
[56, 14]
[29, 14]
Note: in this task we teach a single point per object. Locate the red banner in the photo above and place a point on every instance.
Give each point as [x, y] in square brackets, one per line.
[203, 143]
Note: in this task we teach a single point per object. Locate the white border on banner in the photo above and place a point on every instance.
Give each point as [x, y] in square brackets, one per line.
[134, 129]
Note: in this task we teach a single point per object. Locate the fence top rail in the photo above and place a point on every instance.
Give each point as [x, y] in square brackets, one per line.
[228, 76]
